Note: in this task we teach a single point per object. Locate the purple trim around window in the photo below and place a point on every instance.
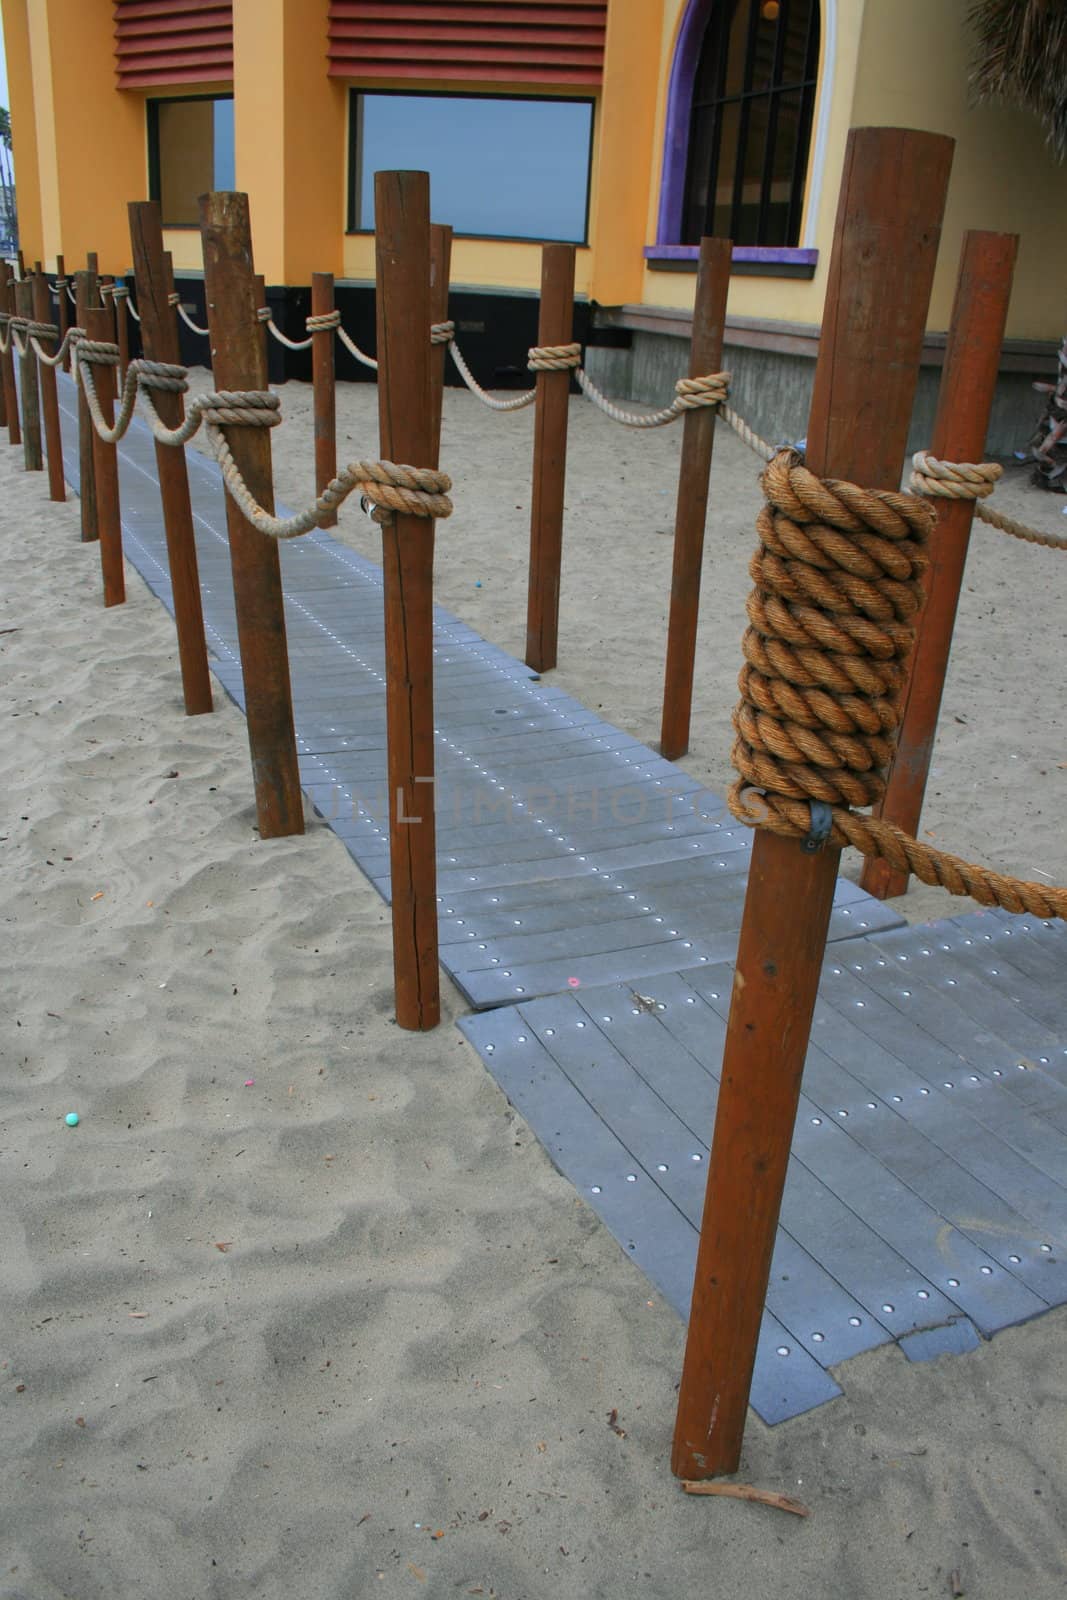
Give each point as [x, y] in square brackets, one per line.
[762, 254]
[679, 101]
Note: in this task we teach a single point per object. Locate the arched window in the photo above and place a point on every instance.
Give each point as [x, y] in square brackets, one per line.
[753, 95]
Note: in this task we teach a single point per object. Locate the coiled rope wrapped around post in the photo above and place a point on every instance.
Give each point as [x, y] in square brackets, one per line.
[387, 486]
[832, 622]
[966, 480]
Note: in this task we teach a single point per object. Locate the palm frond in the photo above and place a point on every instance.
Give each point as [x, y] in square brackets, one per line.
[1021, 55]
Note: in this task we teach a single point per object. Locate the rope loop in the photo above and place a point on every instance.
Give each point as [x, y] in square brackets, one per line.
[953, 480]
[442, 332]
[264, 314]
[119, 291]
[838, 590]
[554, 357]
[247, 408]
[174, 298]
[324, 323]
[98, 352]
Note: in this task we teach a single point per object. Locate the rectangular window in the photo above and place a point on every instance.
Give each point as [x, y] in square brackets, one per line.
[500, 168]
[190, 150]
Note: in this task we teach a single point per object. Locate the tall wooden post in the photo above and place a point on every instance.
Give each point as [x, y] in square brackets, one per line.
[440, 274]
[885, 247]
[698, 437]
[9, 360]
[324, 386]
[86, 298]
[556, 326]
[98, 326]
[119, 295]
[159, 339]
[402, 246]
[264, 331]
[63, 313]
[238, 363]
[968, 383]
[53, 436]
[32, 453]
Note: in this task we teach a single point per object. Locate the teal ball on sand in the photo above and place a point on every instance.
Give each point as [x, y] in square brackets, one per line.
[72, 1119]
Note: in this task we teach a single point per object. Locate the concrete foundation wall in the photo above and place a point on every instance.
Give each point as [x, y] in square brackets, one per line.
[772, 391]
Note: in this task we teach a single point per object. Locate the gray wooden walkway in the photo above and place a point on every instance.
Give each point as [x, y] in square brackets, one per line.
[590, 898]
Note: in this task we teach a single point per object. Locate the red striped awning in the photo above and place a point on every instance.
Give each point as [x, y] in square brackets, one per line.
[497, 41]
[160, 43]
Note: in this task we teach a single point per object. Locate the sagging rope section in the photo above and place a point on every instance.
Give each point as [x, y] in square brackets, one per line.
[832, 622]
[387, 486]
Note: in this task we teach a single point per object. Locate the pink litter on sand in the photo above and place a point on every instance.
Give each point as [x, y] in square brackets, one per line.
[574, 983]
[249, 1082]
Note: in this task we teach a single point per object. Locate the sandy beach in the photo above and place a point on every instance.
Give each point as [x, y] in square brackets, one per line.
[301, 1308]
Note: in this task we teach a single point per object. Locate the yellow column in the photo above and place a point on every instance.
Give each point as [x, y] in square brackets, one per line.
[290, 137]
[90, 137]
[23, 127]
[626, 154]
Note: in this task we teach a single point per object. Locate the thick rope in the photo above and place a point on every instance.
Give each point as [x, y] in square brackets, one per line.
[324, 323]
[174, 299]
[442, 332]
[354, 350]
[515, 403]
[964, 480]
[689, 394]
[388, 487]
[832, 623]
[264, 314]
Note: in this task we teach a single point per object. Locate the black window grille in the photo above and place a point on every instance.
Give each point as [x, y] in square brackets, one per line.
[750, 128]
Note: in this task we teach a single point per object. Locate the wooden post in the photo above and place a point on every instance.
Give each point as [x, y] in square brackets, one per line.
[87, 295]
[63, 299]
[968, 383]
[705, 358]
[122, 325]
[11, 404]
[402, 246]
[22, 264]
[53, 436]
[555, 326]
[440, 274]
[159, 339]
[32, 453]
[264, 332]
[324, 386]
[237, 360]
[98, 326]
[885, 247]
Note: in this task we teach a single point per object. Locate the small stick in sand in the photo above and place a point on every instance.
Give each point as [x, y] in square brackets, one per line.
[747, 1491]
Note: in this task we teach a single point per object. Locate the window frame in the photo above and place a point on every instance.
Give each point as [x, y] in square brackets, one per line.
[155, 182]
[358, 92]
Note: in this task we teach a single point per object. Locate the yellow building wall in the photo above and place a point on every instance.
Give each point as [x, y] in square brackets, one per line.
[90, 138]
[1004, 178]
[23, 127]
[290, 137]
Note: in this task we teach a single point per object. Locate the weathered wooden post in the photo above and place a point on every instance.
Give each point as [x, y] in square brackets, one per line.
[264, 331]
[63, 313]
[86, 298]
[402, 247]
[440, 274]
[159, 339]
[119, 296]
[53, 436]
[965, 400]
[324, 386]
[885, 248]
[698, 437]
[8, 361]
[99, 327]
[238, 363]
[32, 453]
[555, 326]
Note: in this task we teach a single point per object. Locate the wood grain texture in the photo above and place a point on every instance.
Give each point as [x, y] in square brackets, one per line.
[555, 326]
[698, 438]
[965, 400]
[32, 450]
[402, 248]
[159, 340]
[238, 362]
[42, 312]
[324, 387]
[87, 298]
[98, 326]
[878, 288]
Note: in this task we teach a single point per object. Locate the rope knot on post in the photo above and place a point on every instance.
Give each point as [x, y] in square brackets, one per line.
[690, 393]
[263, 313]
[554, 357]
[442, 332]
[97, 352]
[953, 480]
[388, 487]
[248, 408]
[174, 298]
[324, 323]
[120, 291]
[832, 621]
